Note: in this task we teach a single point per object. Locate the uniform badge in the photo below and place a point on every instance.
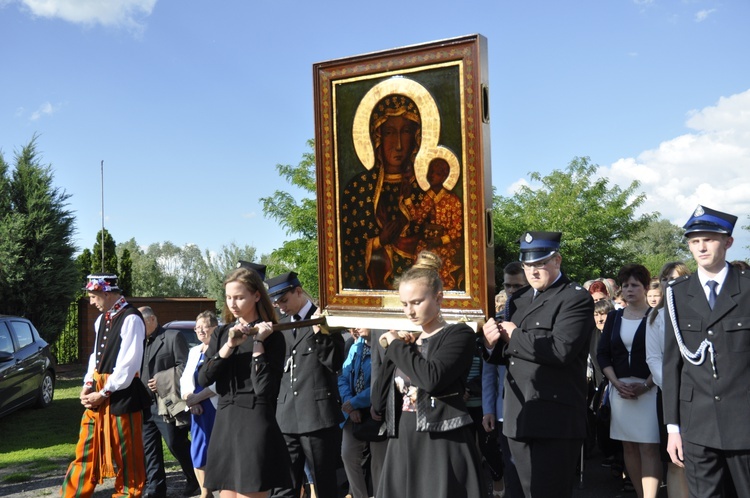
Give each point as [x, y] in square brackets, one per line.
[699, 211]
[528, 238]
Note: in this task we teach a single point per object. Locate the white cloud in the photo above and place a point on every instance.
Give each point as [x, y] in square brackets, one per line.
[251, 215]
[710, 166]
[125, 13]
[702, 15]
[45, 109]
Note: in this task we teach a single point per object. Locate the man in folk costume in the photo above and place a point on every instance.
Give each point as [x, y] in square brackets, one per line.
[110, 443]
[707, 363]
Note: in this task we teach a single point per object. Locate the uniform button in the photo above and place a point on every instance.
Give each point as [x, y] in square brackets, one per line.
[710, 332]
[554, 396]
[294, 351]
[309, 349]
[717, 398]
[294, 379]
[512, 362]
[295, 393]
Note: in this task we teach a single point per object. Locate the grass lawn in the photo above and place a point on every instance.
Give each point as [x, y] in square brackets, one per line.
[37, 442]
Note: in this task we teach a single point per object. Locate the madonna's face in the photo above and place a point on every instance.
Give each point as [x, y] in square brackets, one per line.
[397, 136]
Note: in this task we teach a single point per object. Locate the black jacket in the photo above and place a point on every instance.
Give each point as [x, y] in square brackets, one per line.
[439, 377]
[545, 384]
[611, 351]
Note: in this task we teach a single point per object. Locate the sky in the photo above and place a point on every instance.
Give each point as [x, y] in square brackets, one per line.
[192, 104]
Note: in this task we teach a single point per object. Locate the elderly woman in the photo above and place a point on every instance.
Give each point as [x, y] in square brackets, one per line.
[201, 401]
[622, 357]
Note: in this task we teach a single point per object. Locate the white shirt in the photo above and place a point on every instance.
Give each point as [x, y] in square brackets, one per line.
[655, 345]
[187, 381]
[719, 279]
[129, 358]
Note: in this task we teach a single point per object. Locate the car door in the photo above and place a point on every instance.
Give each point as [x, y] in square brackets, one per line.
[29, 357]
[11, 379]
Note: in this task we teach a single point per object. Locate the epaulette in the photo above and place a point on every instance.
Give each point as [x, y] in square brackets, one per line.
[678, 280]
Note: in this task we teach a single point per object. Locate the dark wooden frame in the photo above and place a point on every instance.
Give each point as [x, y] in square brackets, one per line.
[454, 73]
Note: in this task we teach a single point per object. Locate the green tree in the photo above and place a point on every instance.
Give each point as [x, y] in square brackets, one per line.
[218, 267]
[126, 273]
[594, 216]
[167, 270]
[38, 275]
[83, 265]
[658, 243]
[105, 262]
[298, 218]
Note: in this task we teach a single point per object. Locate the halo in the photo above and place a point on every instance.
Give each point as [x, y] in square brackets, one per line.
[422, 163]
[401, 86]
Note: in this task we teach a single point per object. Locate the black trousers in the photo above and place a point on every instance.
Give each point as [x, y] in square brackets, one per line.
[713, 473]
[513, 488]
[322, 450]
[154, 428]
[546, 467]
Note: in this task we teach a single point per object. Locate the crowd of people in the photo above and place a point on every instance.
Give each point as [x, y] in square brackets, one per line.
[652, 371]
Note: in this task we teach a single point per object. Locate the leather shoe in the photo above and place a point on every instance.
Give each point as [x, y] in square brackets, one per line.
[191, 489]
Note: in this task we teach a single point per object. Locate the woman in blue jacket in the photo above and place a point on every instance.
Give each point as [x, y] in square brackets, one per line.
[354, 389]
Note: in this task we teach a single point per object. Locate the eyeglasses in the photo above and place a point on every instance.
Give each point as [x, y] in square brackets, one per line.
[199, 328]
[538, 264]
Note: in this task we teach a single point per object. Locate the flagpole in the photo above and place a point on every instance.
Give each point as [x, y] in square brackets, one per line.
[102, 169]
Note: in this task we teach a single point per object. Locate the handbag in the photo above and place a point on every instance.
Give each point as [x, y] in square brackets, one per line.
[369, 429]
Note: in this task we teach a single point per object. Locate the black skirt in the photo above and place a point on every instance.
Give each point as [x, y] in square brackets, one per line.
[434, 464]
[247, 452]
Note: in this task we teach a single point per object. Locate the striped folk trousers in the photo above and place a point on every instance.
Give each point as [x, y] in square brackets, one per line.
[127, 453]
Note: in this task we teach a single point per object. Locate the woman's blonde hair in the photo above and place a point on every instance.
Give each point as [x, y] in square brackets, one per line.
[427, 266]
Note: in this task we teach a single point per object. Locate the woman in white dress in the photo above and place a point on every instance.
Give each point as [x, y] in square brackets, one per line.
[622, 358]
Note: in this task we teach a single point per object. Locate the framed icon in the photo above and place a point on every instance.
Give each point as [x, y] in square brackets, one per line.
[403, 165]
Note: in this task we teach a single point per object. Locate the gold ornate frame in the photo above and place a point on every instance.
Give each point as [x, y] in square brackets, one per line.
[447, 80]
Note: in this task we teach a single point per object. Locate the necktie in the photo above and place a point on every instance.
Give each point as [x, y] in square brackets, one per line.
[295, 318]
[712, 293]
[360, 382]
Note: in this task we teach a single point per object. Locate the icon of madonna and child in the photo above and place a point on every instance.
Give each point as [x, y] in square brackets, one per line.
[403, 201]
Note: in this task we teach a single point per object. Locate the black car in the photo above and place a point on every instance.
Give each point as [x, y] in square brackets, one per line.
[27, 368]
[187, 329]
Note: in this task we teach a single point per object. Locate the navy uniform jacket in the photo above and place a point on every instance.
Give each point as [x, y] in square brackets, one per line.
[710, 411]
[309, 394]
[545, 384]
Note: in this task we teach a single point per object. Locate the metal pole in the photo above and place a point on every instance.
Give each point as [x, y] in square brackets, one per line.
[102, 168]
